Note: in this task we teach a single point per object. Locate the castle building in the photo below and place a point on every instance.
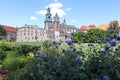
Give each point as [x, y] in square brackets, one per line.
[11, 33]
[53, 30]
[31, 33]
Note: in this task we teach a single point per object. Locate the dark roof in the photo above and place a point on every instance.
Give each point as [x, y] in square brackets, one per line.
[70, 27]
[31, 26]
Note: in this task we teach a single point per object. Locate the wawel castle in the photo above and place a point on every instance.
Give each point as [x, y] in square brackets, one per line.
[53, 30]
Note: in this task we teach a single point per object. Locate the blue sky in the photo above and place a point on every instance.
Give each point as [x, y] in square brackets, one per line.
[76, 12]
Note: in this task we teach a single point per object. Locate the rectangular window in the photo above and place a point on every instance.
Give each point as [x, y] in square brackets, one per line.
[26, 38]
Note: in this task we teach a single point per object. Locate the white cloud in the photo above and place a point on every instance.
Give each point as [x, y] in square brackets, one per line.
[55, 8]
[55, 5]
[60, 12]
[41, 12]
[33, 18]
[56, 0]
[73, 20]
[68, 9]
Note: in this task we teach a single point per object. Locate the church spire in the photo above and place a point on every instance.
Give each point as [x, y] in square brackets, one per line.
[56, 18]
[48, 15]
[48, 10]
[64, 21]
[56, 15]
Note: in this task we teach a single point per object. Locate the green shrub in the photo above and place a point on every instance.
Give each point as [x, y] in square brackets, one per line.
[2, 55]
[12, 62]
[92, 36]
[76, 62]
[5, 46]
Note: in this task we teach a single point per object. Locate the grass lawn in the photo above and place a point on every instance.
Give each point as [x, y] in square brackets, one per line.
[25, 43]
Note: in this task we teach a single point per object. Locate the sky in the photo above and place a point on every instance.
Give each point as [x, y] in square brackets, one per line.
[17, 13]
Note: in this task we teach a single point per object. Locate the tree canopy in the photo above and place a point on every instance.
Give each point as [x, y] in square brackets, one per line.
[92, 36]
[115, 28]
[2, 32]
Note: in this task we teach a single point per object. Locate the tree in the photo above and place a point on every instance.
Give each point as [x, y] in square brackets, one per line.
[2, 32]
[92, 36]
[114, 26]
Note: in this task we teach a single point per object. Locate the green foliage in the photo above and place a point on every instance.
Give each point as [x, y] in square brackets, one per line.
[12, 61]
[25, 49]
[5, 46]
[96, 62]
[92, 36]
[2, 55]
[2, 32]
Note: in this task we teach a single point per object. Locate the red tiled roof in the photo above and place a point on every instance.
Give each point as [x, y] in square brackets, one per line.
[11, 29]
[105, 26]
[86, 28]
[92, 26]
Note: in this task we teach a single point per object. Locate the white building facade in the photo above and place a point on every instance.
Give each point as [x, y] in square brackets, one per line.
[31, 33]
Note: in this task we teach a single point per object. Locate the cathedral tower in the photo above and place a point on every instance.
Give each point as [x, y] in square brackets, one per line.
[48, 20]
[56, 27]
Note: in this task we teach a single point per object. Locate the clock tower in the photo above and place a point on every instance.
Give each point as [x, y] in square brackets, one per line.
[48, 20]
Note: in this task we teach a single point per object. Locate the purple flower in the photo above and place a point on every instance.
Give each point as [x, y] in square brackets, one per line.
[54, 42]
[113, 43]
[105, 78]
[118, 38]
[44, 55]
[31, 74]
[38, 59]
[90, 44]
[70, 42]
[74, 49]
[72, 34]
[112, 31]
[56, 57]
[78, 59]
[107, 39]
[103, 51]
[38, 52]
[107, 47]
[38, 65]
